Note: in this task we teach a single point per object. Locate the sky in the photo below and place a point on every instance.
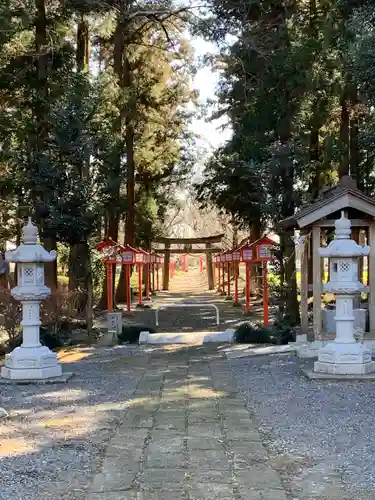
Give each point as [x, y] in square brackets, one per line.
[205, 81]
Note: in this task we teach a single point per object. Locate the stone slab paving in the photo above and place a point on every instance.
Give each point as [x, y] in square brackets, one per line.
[187, 435]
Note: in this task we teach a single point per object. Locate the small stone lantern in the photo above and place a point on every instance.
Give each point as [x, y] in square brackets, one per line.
[31, 360]
[344, 356]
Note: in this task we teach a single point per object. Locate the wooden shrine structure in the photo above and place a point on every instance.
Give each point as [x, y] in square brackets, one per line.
[187, 248]
[316, 224]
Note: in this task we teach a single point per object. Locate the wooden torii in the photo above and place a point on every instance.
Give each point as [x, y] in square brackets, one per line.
[188, 243]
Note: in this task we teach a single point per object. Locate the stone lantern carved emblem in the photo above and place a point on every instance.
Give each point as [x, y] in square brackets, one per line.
[344, 356]
[31, 360]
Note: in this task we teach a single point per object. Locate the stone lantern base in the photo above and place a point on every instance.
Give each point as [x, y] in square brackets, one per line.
[31, 363]
[344, 359]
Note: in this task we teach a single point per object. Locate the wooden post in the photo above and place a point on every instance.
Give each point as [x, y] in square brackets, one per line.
[371, 275]
[157, 277]
[140, 284]
[127, 286]
[362, 242]
[200, 264]
[304, 288]
[210, 269]
[357, 297]
[218, 276]
[265, 294]
[167, 259]
[317, 283]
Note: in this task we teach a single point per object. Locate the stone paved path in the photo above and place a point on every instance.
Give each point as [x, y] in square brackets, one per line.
[187, 435]
[192, 281]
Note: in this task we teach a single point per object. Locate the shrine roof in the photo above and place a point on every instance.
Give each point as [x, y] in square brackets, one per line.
[265, 240]
[343, 196]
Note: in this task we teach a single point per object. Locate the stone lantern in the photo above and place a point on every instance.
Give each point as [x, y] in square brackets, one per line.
[31, 360]
[344, 356]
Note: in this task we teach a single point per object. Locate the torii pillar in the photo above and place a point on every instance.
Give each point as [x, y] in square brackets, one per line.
[167, 259]
[210, 268]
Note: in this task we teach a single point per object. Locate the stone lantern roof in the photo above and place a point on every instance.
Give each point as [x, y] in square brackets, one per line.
[343, 245]
[30, 250]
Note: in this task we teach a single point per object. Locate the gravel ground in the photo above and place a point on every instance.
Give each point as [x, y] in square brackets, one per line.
[320, 434]
[176, 319]
[56, 434]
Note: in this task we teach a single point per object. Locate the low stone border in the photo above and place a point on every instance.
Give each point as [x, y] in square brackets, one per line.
[53, 380]
[192, 338]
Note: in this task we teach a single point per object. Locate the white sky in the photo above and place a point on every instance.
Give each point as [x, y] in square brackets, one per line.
[205, 81]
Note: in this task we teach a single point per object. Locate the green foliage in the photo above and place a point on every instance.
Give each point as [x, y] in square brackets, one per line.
[98, 274]
[49, 337]
[130, 333]
[52, 339]
[252, 334]
[280, 333]
[289, 77]
[275, 289]
[297, 90]
[94, 123]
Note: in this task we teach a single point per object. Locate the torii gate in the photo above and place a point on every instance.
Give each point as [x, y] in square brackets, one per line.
[188, 248]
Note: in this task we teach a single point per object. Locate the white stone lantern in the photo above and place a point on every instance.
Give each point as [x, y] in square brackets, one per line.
[344, 356]
[31, 360]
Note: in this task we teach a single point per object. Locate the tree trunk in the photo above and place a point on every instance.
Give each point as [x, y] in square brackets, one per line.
[82, 53]
[50, 268]
[344, 135]
[112, 216]
[316, 181]
[314, 157]
[80, 273]
[124, 72]
[255, 234]
[291, 313]
[41, 198]
[80, 270]
[353, 134]
[113, 223]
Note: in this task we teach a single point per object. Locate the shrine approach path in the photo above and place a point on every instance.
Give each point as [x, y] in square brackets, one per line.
[190, 287]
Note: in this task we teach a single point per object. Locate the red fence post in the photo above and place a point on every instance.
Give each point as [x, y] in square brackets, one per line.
[109, 288]
[265, 295]
[228, 276]
[127, 286]
[248, 277]
[140, 284]
[236, 273]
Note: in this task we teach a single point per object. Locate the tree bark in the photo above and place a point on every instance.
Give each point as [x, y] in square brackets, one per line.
[130, 165]
[255, 234]
[344, 135]
[82, 53]
[113, 223]
[80, 269]
[42, 131]
[353, 134]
